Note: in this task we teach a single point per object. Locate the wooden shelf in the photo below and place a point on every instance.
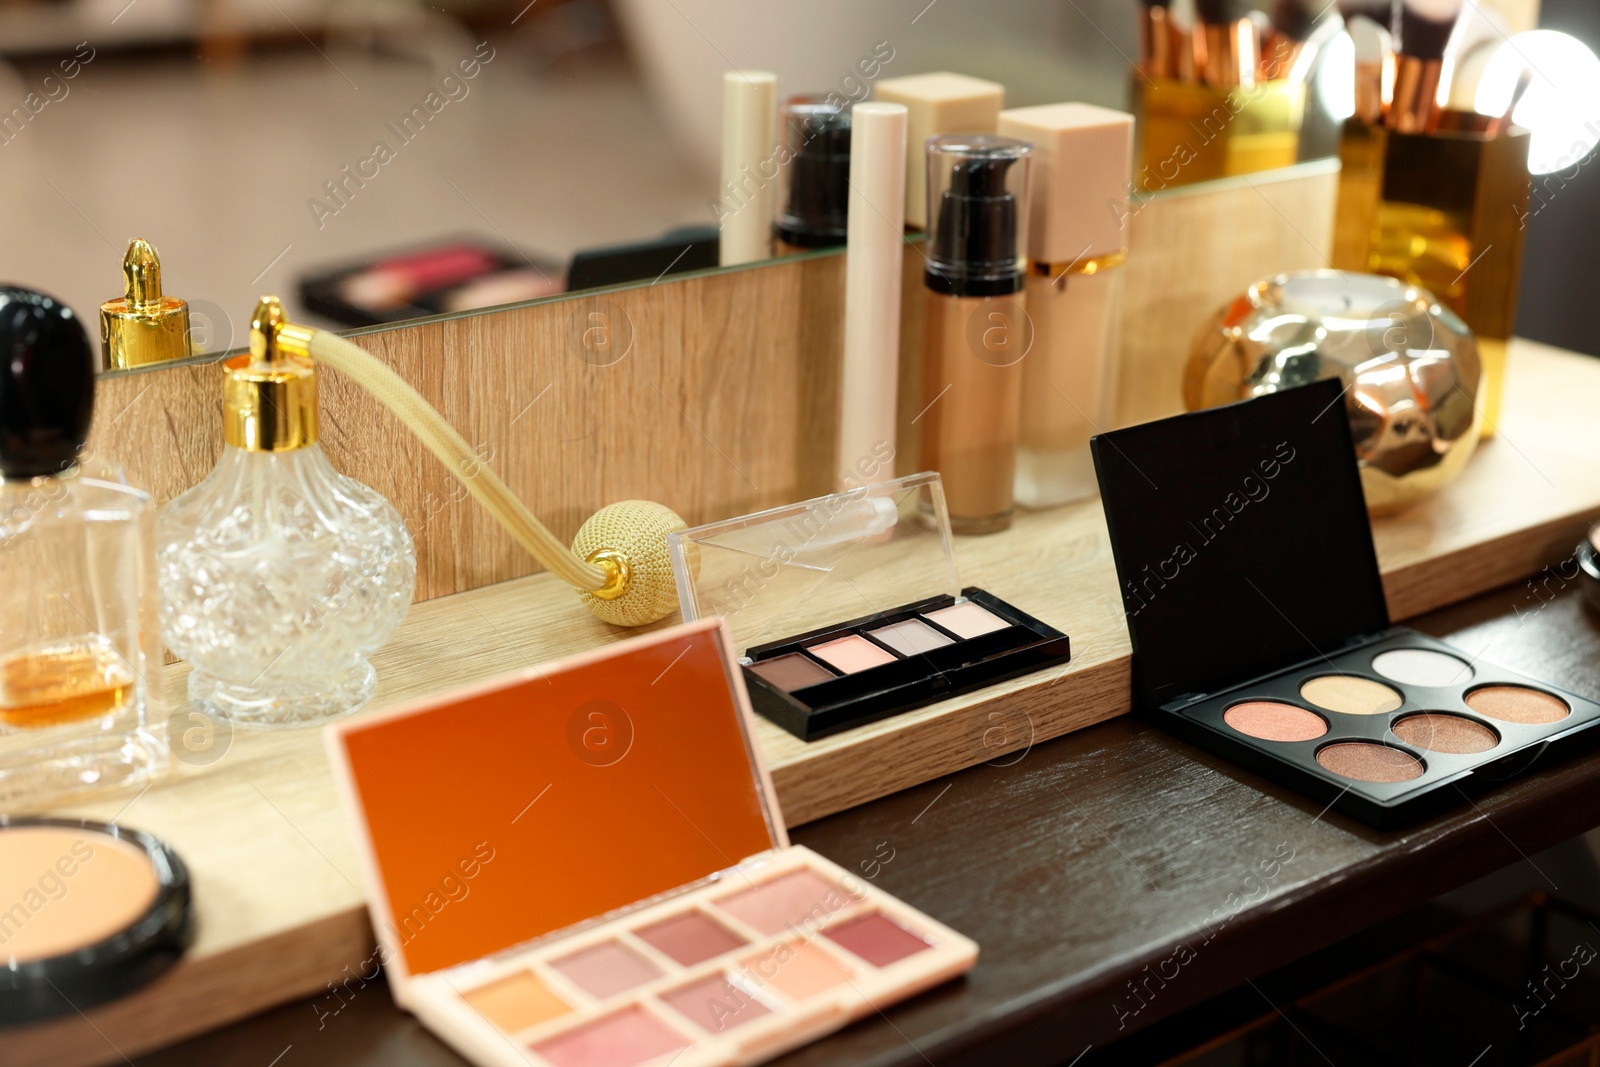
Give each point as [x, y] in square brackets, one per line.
[281, 910]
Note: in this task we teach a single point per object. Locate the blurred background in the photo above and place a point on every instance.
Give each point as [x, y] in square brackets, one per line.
[287, 145]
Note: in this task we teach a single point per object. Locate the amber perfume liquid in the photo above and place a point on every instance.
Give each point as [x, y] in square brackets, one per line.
[78, 637]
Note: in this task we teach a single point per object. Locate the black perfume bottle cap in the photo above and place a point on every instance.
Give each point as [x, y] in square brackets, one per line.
[816, 192]
[47, 377]
[978, 209]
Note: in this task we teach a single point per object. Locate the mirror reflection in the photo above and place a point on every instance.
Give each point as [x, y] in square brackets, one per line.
[374, 161]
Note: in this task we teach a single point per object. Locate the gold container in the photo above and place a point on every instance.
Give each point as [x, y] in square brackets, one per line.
[1195, 133]
[1446, 217]
[1409, 365]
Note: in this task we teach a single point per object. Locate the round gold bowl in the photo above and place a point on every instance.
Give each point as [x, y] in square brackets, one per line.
[1409, 365]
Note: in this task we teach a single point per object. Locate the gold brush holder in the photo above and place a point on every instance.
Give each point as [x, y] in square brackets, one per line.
[1442, 211]
[1195, 133]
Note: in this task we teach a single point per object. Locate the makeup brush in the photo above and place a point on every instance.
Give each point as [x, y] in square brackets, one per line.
[1232, 42]
[1155, 39]
[1368, 22]
[1187, 60]
[1291, 24]
[1422, 30]
[1502, 122]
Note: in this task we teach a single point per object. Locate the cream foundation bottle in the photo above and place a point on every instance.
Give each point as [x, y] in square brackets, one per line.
[1077, 241]
[977, 330]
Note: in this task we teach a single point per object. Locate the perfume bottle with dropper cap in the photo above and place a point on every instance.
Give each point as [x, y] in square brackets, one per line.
[143, 326]
[78, 632]
[279, 576]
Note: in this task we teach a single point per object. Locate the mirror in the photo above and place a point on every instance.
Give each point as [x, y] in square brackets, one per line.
[362, 157]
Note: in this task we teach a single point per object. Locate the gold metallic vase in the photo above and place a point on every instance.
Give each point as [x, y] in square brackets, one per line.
[1410, 364]
[1443, 211]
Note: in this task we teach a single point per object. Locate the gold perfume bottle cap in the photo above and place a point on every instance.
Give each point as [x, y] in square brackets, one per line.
[269, 396]
[143, 327]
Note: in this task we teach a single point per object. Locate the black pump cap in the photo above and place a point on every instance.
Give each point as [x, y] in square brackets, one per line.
[814, 212]
[975, 243]
[47, 377]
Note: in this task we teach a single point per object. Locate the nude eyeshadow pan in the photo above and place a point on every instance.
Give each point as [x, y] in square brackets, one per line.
[1272, 721]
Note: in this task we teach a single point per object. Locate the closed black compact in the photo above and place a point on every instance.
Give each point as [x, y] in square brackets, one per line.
[848, 608]
[1260, 630]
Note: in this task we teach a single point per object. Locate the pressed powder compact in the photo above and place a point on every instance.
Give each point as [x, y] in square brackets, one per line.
[584, 865]
[88, 912]
[1260, 631]
[848, 608]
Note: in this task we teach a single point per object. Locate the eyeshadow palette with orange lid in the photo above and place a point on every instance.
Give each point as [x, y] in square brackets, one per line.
[583, 865]
[1259, 625]
[848, 608]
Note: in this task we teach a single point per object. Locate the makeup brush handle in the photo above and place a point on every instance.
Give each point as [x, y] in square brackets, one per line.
[469, 469]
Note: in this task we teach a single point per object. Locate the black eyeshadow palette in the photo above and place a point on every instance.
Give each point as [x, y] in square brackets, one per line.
[870, 668]
[1260, 630]
[1383, 727]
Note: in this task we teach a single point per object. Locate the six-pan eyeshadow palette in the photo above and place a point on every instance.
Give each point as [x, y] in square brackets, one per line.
[1385, 725]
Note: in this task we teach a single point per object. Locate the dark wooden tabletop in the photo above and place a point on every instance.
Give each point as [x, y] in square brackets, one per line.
[1112, 878]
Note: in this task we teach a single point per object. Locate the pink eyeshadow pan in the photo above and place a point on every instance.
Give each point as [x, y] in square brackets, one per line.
[624, 1039]
[967, 620]
[606, 969]
[688, 938]
[799, 899]
[714, 1004]
[852, 654]
[877, 939]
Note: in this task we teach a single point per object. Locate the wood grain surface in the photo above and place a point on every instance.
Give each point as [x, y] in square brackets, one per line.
[1082, 866]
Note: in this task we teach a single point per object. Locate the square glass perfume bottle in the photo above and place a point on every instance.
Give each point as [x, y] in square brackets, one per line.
[78, 623]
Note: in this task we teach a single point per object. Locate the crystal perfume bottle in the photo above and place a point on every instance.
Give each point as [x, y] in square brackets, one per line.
[279, 576]
[78, 633]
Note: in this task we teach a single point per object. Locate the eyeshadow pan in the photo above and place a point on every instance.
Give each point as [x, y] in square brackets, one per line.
[967, 620]
[606, 969]
[715, 1004]
[1350, 695]
[623, 1039]
[1421, 666]
[1363, 761]
[1519, 704]
[877, 939]
[688, 938]
[516, 1002]
[852, 654]
[911, 637]
[799, 899]
[791, 672]
[1269, 720]
[797, 969]
[1437, 732]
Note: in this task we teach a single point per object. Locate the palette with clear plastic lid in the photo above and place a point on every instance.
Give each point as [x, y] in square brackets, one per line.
[848, 608]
